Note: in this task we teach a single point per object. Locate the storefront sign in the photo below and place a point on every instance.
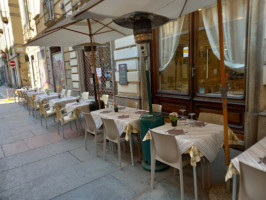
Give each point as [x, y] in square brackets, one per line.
[185, 52]
[123, 74]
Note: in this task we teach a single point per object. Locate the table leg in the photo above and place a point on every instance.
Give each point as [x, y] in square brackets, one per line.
[195, 182]
[234, 187]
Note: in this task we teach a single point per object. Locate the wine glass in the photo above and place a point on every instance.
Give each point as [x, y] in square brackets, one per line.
[191, 119]
[182, 120]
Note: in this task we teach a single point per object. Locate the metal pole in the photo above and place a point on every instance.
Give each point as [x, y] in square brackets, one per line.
[223, 88]
[94, 65]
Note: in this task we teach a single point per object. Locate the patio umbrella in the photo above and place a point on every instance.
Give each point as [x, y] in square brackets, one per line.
[172, 9]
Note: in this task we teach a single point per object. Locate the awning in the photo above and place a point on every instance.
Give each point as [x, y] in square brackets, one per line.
[73, 30]
[172, 9]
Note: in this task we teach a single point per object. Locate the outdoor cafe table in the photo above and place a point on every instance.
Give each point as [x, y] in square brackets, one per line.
[46, 97]
[33, 93]
[126, 119]
[250, 157]
[198, 142]
[82, 106]
[61, 101]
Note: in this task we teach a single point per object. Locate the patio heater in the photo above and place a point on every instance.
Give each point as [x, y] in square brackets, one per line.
[87, 47]
[142, 24]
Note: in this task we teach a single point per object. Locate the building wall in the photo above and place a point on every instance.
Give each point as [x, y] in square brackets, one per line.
[126, 51]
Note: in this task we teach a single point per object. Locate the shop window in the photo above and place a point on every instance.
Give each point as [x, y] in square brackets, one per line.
[48, 11]
[234, 28]
[174, 56]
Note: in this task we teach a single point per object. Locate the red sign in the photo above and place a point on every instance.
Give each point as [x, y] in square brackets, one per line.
[12, 63]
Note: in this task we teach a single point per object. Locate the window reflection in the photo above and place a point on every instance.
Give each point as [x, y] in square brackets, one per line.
[173, 70]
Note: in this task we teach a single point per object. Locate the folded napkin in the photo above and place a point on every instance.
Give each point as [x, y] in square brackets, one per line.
[121, 107]
[123, 116]
[176, 132]
[140, 112]
[199, 123]
[105, 111]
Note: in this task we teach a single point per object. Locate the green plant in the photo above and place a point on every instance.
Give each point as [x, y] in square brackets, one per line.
[115, 105]
[10, 51]
[173, 116]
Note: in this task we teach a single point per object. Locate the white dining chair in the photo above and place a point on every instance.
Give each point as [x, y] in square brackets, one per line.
[157, 108]
[63, 92]
[252, 183]
[165, 149]
[211, 118]
[85, 95]
[91, 128]
[69, 93]
[133, 104]
[105, 99]
[111, 133]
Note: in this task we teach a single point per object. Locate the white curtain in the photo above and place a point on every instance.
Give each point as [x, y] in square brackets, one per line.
[169, 40]
[234, 30]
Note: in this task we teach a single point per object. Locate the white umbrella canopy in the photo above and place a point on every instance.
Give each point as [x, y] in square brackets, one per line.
[172, 9]
[70, 32]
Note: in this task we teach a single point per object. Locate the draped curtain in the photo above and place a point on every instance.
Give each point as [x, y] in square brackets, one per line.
[169, 40]
[234, 30]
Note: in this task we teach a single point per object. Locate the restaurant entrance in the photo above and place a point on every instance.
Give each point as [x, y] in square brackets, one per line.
[186, 68]
[103, 70]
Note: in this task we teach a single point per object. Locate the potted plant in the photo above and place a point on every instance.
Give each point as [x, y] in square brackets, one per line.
[47, 91]
[59, 96]
[173, 118]
[77, 99]
[115, 107]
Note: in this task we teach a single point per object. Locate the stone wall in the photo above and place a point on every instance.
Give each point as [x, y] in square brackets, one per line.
[126, 51]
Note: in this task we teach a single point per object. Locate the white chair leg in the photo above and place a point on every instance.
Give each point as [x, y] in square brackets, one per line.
[86, 140]
[41, 120]
[63, 131]
[195, 183]
[119, 154]
[46, 122]
[152, 167]
[95, 141]
[181, 183]
[104, 147]
[131, 151]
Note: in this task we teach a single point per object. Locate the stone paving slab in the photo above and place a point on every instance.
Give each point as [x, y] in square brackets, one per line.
[105, 188]
[60, 182]
[15, 148]
[34, 155]
[1, 153]
[29, 172]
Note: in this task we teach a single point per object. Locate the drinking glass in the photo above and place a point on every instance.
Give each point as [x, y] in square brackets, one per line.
[182, 121]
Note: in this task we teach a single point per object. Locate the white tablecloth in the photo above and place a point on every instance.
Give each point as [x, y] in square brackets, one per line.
[205, 140]
[250, 157]
[132, 121]
[30, 94]
[46, 97]
[82, 106]
[61, 101]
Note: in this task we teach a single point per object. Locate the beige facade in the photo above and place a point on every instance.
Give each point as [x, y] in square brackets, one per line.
[12, 43]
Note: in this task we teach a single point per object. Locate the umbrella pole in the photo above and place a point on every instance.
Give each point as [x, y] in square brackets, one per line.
[223, 82]
[94, 66]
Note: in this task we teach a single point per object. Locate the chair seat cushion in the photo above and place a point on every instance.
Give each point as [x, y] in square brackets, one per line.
[68, 118]
[50, 112]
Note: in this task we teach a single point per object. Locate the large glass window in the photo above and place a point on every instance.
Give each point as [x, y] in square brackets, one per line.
[174, 56]
[234, 29]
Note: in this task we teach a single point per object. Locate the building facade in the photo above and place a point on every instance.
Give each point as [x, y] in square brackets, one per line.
[14, 70]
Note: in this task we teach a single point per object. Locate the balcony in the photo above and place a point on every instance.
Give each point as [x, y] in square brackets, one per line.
[27, 32]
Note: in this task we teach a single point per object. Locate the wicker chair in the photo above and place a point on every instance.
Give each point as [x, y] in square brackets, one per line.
[105, 98]
[45, 112]
[63, 119]
[133, 104]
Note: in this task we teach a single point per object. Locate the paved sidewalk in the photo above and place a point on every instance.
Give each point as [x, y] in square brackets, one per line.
[38, 164]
